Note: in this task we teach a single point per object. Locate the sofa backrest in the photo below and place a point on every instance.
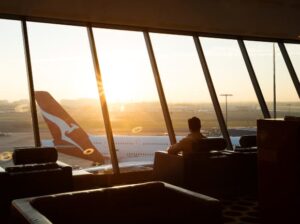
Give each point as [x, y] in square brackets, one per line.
[248, 141]
[209, 144]
[138, 203]
[95, 205]
[33, 155]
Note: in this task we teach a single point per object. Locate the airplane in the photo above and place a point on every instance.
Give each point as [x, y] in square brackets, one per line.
[70, 138]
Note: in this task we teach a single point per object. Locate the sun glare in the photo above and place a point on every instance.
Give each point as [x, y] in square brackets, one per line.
[125, 67]
[118, 90]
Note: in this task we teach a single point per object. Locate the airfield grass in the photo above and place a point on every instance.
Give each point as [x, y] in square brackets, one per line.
[136, 119]
[140, 118]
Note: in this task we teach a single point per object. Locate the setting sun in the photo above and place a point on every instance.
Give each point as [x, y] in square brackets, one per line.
[125, 67]
[119, 89]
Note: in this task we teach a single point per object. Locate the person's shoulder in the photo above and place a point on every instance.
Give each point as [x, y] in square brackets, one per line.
[188, 137]
[203, 136]
[198, 136]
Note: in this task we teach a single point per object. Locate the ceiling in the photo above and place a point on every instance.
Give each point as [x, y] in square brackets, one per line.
[271, 19]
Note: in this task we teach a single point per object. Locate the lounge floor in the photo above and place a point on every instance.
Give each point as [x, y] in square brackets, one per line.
[242, 210]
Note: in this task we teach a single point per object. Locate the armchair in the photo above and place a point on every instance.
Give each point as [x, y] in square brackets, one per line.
[35, 173]
[209, 169]
[206, 169]
[247, 144]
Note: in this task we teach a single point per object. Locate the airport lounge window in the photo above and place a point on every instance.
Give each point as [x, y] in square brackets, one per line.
[294, 54]
[15, 115]
[68, 106]
[233, 86]
[135, 111]
[268, 63]
[184, 83]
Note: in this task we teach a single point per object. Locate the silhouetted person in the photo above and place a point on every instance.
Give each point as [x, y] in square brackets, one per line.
[186, 143]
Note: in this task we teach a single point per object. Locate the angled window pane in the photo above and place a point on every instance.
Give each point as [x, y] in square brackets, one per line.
[15, 116]
[184, 83]
[233, 86]
[70, 116]
[294, 53]
[262, 58]
[135, 111]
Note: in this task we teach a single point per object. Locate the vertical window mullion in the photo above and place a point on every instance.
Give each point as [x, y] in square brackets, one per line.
[254, 81]
[290, 67]
[212, 92]
[160, 90]
[104, 108]
[34, 117]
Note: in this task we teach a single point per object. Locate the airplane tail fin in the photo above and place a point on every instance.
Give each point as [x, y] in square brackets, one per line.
[68, 136]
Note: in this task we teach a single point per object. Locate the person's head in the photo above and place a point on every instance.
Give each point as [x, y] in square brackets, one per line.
[194, 124]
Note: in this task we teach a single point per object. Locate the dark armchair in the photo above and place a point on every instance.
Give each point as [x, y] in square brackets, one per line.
[247, 144]
[36, 172]
[206, 169]
[209, 169]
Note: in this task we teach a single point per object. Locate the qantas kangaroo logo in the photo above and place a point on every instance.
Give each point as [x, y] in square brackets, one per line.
[64, 128]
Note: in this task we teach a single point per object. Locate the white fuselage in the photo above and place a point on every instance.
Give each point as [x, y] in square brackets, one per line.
[133, 148]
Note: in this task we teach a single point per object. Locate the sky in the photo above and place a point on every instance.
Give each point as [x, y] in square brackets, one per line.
[62, 64]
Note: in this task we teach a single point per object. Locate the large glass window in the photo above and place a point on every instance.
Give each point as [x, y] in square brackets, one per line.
[15, 115]
[268, 62]
[133, 102]
[233, 86]
[69, 112]
[184, 83]
[294, 53]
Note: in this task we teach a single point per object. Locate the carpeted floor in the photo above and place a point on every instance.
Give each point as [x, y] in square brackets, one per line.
[242, 210]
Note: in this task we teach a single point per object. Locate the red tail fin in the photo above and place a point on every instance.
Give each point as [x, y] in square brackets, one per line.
[69, 137]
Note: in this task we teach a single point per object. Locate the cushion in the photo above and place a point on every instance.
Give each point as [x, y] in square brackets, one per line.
[208, 144]
[248, 141]
[34, 155]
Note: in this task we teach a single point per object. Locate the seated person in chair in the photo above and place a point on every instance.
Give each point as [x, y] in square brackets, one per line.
[187, 142]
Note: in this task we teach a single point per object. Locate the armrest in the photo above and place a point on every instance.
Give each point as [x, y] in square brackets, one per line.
[67, 168]
[62, 164]
[169, 168]
[204, 209]
[4, 192]
[2, 170]
[23, 212]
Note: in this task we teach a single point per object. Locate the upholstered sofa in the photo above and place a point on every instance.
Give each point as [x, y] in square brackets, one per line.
[149, 202]
[36, 172]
